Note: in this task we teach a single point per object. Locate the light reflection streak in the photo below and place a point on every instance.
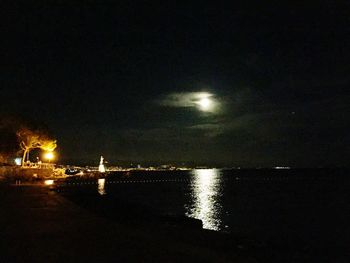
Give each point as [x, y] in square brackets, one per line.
[49, 182]
[205, 191]
[101, 186]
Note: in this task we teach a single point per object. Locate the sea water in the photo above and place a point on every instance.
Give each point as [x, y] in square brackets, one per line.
[308, 207]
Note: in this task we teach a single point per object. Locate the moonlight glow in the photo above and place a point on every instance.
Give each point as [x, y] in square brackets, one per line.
[205, 104]
[203, 101]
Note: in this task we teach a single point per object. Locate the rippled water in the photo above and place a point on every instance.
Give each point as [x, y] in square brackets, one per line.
[200, 191]
[204, 204]
[300, 204]
[297, 209]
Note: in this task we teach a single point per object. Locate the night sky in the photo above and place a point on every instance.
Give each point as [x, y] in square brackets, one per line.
[122, 81]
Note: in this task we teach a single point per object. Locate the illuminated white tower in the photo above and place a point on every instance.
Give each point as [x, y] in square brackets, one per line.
[101, 167]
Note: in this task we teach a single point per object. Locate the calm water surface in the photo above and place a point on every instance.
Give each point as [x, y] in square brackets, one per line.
[300, 206]
[196, 193]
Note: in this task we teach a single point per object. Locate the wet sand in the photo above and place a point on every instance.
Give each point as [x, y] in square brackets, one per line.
[39, 225]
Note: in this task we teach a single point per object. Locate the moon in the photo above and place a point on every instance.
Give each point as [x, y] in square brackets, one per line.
[205, 104]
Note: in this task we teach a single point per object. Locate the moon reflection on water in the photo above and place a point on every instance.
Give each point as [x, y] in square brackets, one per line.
[205, 192]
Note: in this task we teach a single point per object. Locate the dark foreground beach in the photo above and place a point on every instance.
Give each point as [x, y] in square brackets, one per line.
[39, 225]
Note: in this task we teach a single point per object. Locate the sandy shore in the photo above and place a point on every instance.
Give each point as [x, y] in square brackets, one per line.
[39, 225]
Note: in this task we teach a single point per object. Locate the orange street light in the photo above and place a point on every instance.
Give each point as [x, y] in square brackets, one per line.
[49, 156]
